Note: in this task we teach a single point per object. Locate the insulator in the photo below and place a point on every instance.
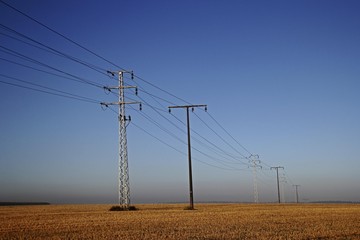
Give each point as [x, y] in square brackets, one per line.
[132, 75]
[107, 90]
[136, 91]
[140, 106]
[129, 118]
[205, 109]
[169, 110]
[103, 106]
[192, 109]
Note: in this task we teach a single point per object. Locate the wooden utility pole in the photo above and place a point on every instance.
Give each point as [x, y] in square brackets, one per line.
[296, 192]
[191, 207]
[277, 177]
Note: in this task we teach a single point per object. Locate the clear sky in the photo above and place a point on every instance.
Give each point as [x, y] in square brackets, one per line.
[282, 77]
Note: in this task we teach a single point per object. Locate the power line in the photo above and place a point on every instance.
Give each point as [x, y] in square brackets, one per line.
[152, 135]
[263, 172]
[84, 48]
[22, 56]
[50, 73]
[87, 49]
[152, 95]
[215, 159]
[161, 115]
[228, 133]
[160, 127]
[287, 176]
[145, 102]
[174, 136]
[177, 150]
[58, 33]
[265, 182]
[221, 138]
[219, 152]
[146, 116]
[51, 50]
[60, 94]
[197, 140]
[167, 92]
[170, 133]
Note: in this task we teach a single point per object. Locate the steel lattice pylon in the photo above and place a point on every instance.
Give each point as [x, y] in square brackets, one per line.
[283, 182]
[124, 186]
[123, 174]
[254, 160]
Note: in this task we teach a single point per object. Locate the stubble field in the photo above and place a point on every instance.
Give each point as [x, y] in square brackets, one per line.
[170, 221]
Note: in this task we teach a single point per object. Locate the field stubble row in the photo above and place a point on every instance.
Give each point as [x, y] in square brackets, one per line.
[170, 221]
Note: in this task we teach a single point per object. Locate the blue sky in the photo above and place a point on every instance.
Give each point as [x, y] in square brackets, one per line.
[280, 76]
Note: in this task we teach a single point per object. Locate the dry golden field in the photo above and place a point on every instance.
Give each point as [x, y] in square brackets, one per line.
[170, 221]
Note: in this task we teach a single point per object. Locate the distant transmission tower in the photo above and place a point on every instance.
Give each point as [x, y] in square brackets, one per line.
[254, 161]
[123, 178]
[283, 182]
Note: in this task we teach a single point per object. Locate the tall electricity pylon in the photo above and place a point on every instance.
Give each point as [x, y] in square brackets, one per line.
[283, 182]
[123, 174]
[191, 207]
[277, 177]
[254, 161]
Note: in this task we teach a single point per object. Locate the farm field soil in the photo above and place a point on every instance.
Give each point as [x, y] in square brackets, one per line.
[170, 221]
